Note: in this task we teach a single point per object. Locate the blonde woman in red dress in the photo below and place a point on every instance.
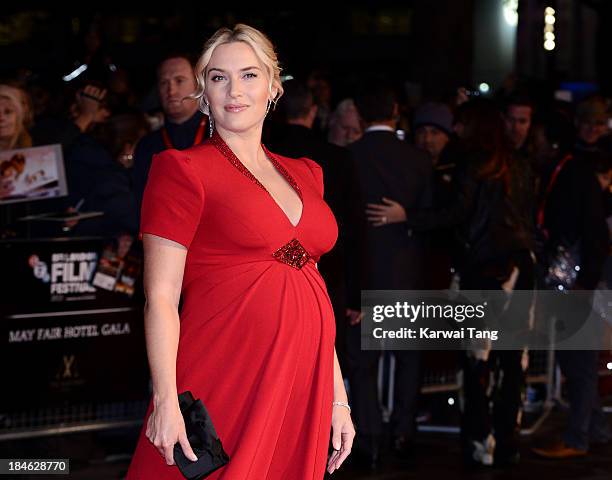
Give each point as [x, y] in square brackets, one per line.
[237, 230]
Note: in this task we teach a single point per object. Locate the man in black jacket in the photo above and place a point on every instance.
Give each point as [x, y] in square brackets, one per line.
[393, 177]
[184, 125]
[572, 215]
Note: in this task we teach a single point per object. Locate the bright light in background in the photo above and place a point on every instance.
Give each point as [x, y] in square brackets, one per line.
[549, 29]
[484, 87]
[510, 8]
[451, 401]
[609, 365]
[284, 78]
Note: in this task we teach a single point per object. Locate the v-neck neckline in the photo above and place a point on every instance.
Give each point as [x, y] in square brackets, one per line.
[229, 154]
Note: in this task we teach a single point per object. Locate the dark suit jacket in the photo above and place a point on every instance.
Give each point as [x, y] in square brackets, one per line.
[389, 167]
[182, 137]
[296, 141]
[103, 184]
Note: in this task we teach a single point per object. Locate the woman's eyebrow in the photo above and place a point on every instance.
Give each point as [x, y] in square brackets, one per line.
[216, 69]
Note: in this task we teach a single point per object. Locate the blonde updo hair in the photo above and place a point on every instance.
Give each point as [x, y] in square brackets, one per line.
[261, 45]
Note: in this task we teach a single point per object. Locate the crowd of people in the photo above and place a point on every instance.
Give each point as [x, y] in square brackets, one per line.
[483, 190]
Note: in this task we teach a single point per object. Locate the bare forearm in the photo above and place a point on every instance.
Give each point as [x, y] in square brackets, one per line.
[339, 390]
[162, 333]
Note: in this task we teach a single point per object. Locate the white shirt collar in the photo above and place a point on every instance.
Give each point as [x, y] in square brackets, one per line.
[379, 128]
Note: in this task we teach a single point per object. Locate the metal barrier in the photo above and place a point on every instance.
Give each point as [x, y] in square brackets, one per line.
[71, 419]
[541, 370]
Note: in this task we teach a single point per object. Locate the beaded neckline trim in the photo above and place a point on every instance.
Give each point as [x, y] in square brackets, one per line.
[227, 152]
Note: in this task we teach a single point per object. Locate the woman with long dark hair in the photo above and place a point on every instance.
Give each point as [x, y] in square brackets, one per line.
[492, 215]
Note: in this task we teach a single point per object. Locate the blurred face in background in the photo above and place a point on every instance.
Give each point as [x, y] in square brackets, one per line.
[321, 90]
[431, 139]
[176, 81]
[8, 119]
[590, 130]
[518, 123]
[346, 129]
[605, 179]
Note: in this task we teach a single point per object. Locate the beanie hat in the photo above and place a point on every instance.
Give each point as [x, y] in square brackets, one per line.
[435, 114]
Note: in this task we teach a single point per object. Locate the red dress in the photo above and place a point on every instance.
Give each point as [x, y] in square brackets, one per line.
[257, 327]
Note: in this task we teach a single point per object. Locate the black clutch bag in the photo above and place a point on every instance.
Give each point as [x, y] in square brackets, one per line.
[203, 439]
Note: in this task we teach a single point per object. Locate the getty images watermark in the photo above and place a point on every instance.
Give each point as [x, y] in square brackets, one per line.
[453, 320]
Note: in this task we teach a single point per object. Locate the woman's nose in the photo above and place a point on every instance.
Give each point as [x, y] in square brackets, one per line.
[234, 89]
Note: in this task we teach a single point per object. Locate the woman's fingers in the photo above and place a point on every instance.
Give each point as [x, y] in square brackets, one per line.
[377, 222]
[340, 456]
[187, 450]
[377, 214]
[347, 445]
[94, 92]
[159, 438]
[336, 441]
[331, 464]
[169, 454]
[388, 201]
[337, 437]
[148, 432]
[344, 431]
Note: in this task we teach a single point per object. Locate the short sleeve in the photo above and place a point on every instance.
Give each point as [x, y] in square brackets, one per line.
[173, 198]
[317, 173]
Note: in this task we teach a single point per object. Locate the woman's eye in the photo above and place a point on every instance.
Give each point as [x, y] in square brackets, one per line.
[217, 78]
[250, 75]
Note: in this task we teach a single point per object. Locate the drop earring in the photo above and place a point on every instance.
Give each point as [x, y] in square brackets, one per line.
[268, 107]
[211, 122]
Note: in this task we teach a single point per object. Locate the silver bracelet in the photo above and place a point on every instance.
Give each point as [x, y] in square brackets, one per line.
[343, 404]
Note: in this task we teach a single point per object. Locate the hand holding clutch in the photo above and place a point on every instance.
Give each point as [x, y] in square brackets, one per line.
[203, 439]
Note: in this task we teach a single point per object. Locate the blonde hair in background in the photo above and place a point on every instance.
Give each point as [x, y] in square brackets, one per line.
[261, 45]
[21, 137]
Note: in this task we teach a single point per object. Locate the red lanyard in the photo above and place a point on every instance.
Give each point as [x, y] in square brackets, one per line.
[198, 138]
[551, 184]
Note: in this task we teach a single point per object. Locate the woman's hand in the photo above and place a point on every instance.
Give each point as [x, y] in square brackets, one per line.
[165, 427]
[343, 433]
[88, 108]
[381, 214]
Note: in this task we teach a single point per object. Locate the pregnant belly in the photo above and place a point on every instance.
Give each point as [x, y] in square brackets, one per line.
[253, 312]
[238, 337]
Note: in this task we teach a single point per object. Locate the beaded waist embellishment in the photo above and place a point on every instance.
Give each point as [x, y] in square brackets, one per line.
[293, 254]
